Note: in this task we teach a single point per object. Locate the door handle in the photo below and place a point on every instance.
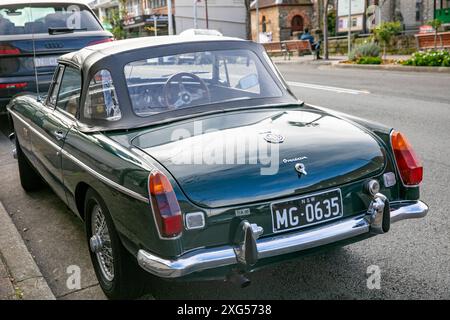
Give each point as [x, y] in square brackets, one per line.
[59, 135]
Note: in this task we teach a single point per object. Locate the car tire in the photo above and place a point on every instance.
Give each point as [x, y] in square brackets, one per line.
[119, 277]
[29, 178]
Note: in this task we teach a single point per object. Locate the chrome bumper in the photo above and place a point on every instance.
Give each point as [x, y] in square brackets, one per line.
[204, 259]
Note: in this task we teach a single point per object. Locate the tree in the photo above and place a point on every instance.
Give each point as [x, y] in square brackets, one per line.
[436, 24]
[248, 20]
[384, 32]
[325, 29]
[392, 9]
[332, 23]
[115, 20]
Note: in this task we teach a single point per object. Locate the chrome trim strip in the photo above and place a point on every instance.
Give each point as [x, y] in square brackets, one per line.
[91, 171]
[203, 259]
[106, 180]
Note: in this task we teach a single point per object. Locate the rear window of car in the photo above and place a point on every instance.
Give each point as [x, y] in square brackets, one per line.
[26, 19]
[193, 79]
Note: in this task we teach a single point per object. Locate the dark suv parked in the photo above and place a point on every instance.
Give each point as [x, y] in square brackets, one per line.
[35, 33]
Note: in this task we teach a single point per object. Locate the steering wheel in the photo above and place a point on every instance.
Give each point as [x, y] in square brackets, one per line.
[184, 97]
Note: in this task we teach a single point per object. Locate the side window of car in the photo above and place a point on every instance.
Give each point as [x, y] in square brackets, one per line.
[55, 86]
[70, 91]
[101, 99]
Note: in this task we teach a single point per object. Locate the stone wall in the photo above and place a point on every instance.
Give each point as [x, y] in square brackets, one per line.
[286, 14]
[272, 22]
[278, 20]
[404, 44]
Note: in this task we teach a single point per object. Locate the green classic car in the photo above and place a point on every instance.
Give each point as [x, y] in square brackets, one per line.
[188, 157]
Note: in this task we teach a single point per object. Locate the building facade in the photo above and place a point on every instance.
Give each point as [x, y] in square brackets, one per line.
[226, 16]
[140, 18]
[411, 13]
[146, 17]
[104, 10]
[281, 20]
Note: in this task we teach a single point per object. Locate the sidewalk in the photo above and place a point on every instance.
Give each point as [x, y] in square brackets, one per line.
[334, 62]
[309, 59]
[20, 277]
[7, 291]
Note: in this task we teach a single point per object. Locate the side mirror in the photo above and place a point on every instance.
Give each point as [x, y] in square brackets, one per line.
[248, 82]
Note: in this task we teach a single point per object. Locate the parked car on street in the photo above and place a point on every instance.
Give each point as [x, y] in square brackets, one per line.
[205, 170]
[33, 34]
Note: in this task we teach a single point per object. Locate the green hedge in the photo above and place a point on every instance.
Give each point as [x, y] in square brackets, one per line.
[369, 60]
[430, 58]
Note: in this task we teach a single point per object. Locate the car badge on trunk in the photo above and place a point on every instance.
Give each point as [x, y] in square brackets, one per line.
[300, 168]
[274, 138]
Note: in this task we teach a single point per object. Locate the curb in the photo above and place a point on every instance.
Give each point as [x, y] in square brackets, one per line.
[28, 279]
[312, 62]
[393, 68]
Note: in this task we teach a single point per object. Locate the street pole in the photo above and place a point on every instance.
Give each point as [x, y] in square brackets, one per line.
[155, 25]
[206, 14]
[349, 25]
[195, 15]
[169, 17]
[257, 21]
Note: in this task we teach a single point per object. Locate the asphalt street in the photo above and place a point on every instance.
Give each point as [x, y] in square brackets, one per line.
[414, 257]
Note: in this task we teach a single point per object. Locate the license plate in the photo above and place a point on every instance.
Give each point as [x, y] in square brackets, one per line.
[306, 211]
[46, 61]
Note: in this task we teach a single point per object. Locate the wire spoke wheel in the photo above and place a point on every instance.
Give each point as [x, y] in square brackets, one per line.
[101, 243]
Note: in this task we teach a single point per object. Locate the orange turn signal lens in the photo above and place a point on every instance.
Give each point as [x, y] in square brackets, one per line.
[166, 208]
[159, 184]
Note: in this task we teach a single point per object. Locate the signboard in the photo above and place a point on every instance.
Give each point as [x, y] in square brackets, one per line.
[130, 20]
[358, 7]
[160, 18]
[142, 20]
[356, 23]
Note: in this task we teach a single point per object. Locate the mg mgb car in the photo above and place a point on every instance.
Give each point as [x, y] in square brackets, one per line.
[188, 157]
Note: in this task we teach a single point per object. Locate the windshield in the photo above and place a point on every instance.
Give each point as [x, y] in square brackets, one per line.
[39, 18]
[198, 78]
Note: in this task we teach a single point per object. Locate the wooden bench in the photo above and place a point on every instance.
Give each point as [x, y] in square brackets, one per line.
[299, 46]
[425, 41]
[288, 48]
[273, 47]
[277, 48]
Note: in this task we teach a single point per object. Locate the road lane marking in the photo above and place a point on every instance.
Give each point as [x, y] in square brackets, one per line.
[326, 88]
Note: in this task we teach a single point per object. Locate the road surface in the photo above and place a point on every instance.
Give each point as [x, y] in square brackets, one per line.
[414, 258]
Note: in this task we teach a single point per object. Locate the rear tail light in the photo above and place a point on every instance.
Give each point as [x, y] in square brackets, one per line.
[100, 41]
[165, 205]
[19, 85]
[409, 165]
[8, 50]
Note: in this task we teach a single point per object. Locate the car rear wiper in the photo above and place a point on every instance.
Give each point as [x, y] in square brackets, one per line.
[60, 30]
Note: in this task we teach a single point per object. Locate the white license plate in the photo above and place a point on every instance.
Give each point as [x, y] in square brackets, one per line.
[307, 210]
[46, 61]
